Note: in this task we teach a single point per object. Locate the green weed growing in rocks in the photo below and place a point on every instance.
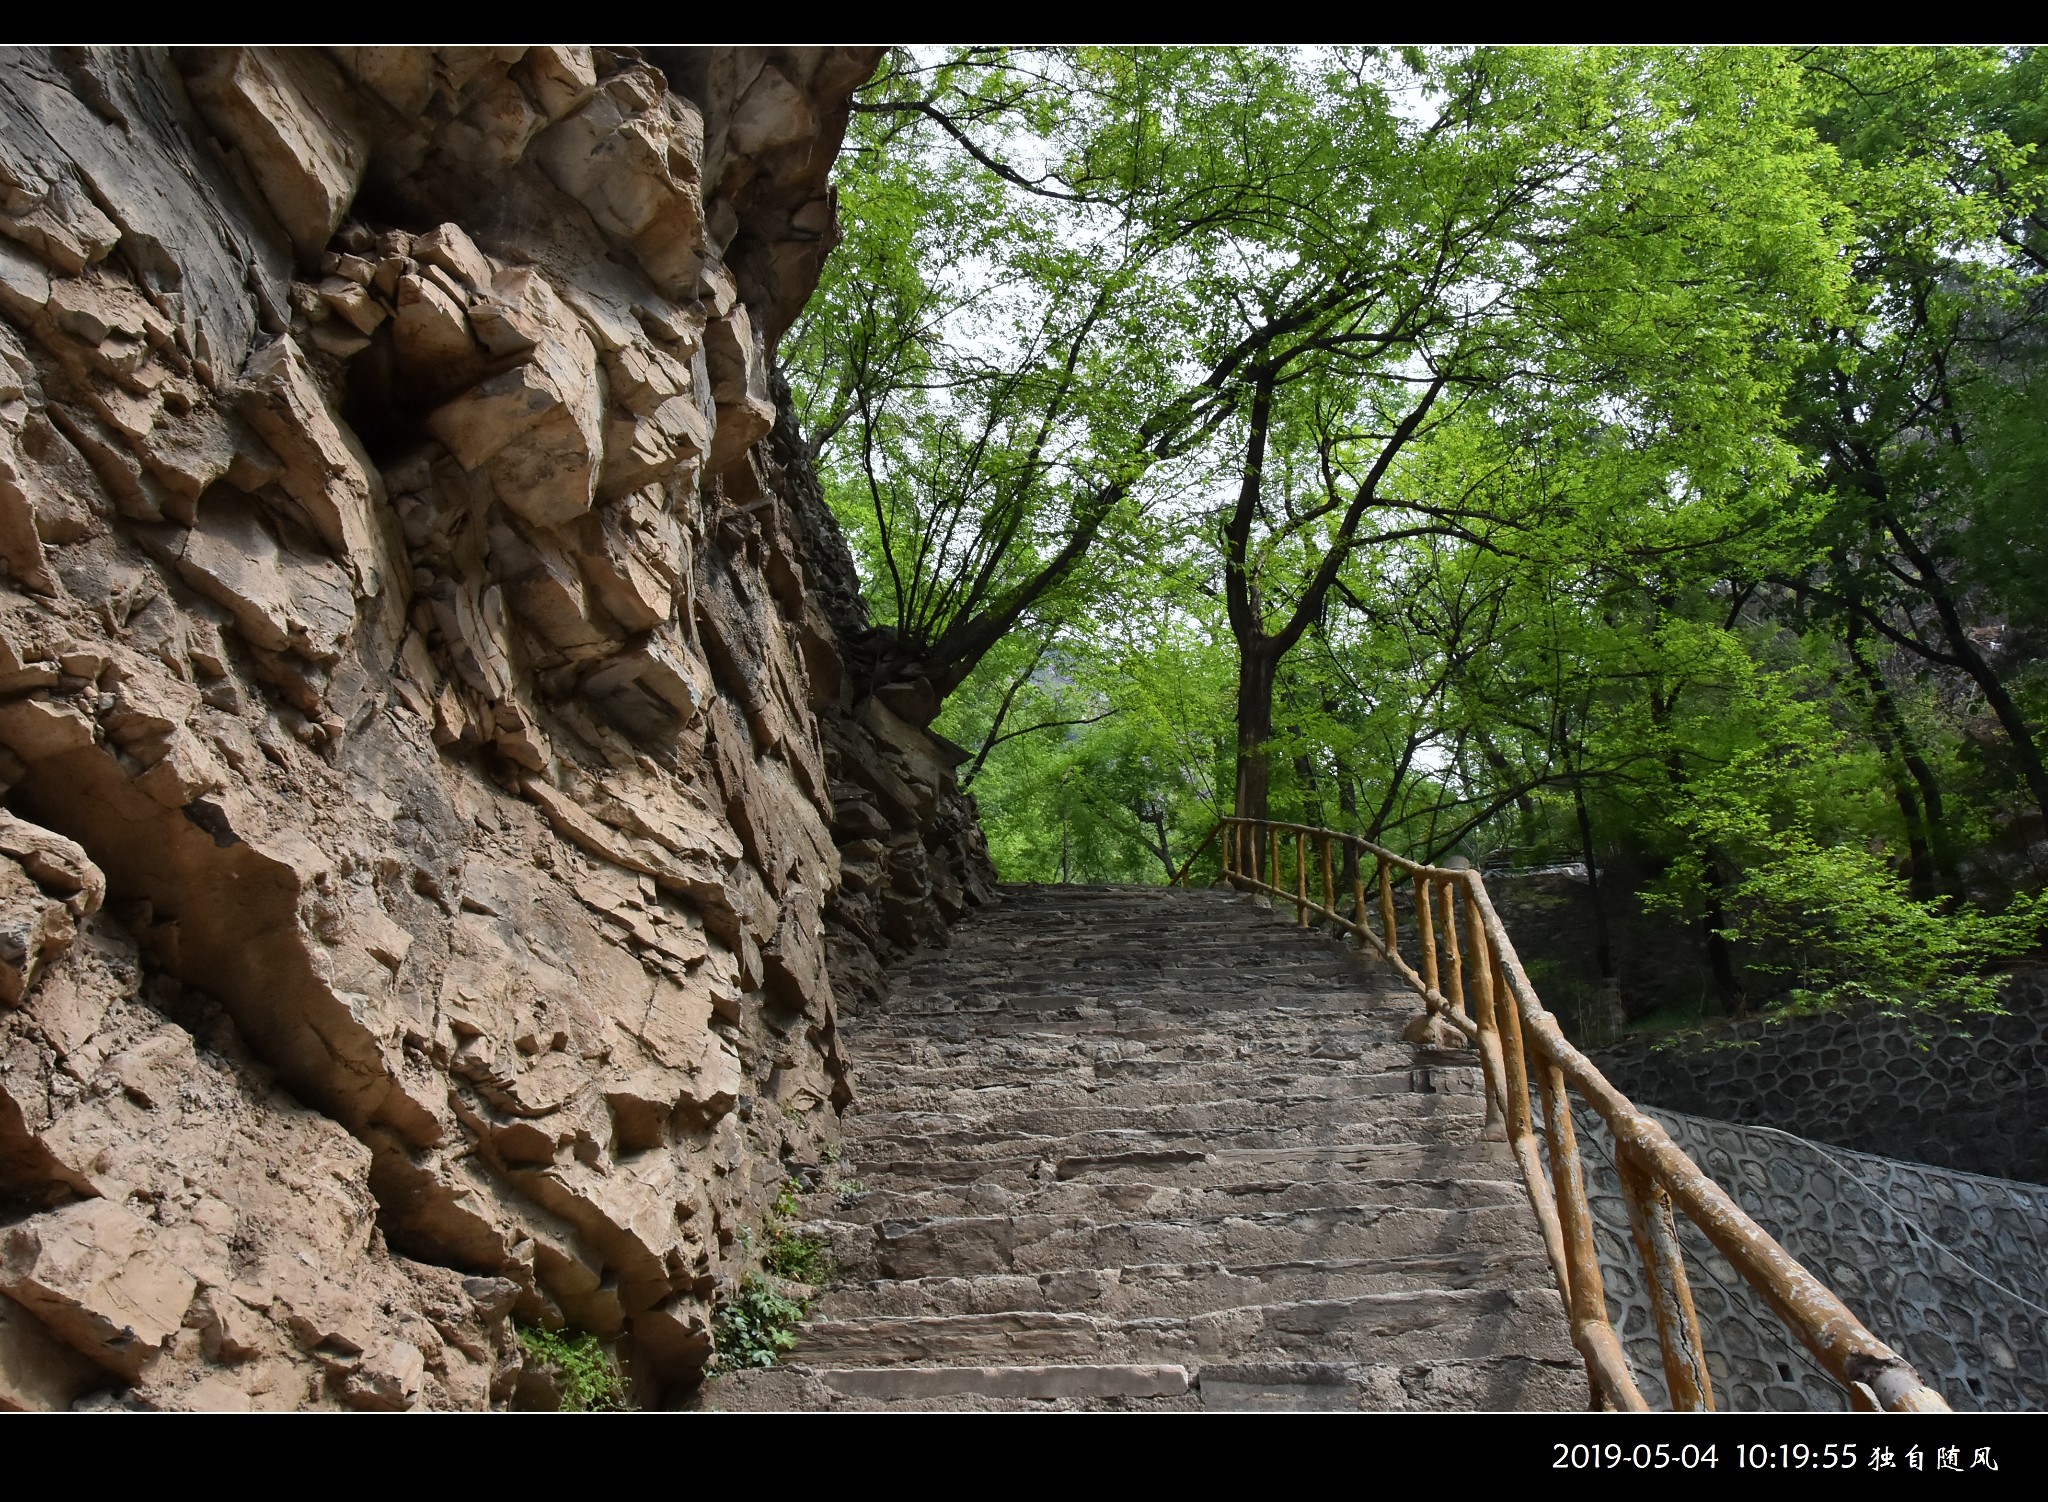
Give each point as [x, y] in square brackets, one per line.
[787, 1254]
[583, 1369]
[757, 1327]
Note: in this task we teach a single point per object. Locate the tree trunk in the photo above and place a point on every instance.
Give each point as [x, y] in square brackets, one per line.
[1962, 651]
[1311, 793]
[1888, 729]
[1163, 846]
[1254, 731]
[1720, 958]
[1603, 952]
[1347, 806]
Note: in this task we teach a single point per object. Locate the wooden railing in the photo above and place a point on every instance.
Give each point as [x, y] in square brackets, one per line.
[1477, 986]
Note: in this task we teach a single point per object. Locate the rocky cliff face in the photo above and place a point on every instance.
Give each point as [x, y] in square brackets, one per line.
[445, 800]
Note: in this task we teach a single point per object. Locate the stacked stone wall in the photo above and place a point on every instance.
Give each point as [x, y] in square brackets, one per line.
[1964, 1092]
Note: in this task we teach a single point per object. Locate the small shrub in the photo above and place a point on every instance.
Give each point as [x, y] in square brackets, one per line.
[583, 1368]
[801, 1259]
[787, 1205]
[757, 1327]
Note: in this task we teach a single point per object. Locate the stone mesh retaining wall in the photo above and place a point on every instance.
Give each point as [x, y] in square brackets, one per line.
[1963, 1093]
[1950, 1269]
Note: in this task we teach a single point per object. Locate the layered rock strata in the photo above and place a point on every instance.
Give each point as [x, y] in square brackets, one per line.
[445, 806]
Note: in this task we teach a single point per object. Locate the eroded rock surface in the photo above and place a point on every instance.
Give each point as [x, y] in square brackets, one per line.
[446, 800]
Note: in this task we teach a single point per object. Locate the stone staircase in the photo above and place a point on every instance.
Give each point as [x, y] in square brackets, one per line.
[1142, 1147]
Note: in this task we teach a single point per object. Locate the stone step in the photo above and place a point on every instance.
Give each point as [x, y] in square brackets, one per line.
[1382, 1328]
[1127, 1011]
[999, 1052]
[999, 1101]
[1355, 1164]
[995, 1115]
[896, 1384]
[1187, 1288]
[1056, 1243]
[1139, 1148]
[1203, 969]
[1494, 1385]
[1097, 1200]
[1343, 1037]
[1397, 1120]
[1109, 1011]
[1020, 1073]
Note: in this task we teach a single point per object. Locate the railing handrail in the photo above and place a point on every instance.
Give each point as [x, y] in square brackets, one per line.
[1517, 1038]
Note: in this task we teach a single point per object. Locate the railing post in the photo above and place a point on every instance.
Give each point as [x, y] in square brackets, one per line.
[1678, 1323]
[1425, 933]
[1588, 1306]
[1508, 1023]
[1572, 1254]
[1455, 991]
[1273, 858]
[1301, 878]
[1483, 1017]
[1521, 1119]
[1387, 911]
[1329, 878]
[1358, 902]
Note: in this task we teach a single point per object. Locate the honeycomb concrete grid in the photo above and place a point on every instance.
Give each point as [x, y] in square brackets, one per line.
[1959, 1092]
[1950, 1269]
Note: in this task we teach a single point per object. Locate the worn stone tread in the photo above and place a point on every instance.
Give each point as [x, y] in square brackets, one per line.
[1133, 1147]
[1102, 1380]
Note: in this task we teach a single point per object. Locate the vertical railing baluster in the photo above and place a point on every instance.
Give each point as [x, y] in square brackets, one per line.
[1358, 900]
[1329, 878]
[1301, 878]
[1273, 858]
[1425, 934]
[1387, 911]
[1483, 1016]
[1572, 1257]
[1588, 1306]
[1650, 1221]
[1455, 991]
